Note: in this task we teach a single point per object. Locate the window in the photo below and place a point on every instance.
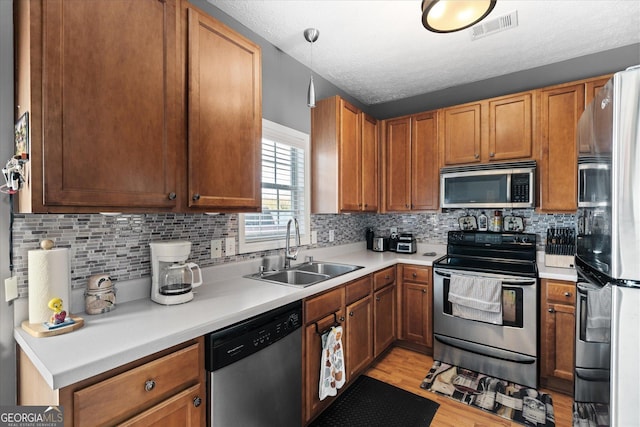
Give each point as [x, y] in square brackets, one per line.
[285, 191]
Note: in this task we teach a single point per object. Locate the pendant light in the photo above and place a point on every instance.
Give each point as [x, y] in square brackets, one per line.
[447, 16]
[311, 35]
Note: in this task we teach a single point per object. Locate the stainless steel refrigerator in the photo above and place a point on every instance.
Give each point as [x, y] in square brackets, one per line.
[607, 372]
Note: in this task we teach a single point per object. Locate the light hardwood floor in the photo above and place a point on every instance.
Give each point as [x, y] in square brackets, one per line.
[406, 369]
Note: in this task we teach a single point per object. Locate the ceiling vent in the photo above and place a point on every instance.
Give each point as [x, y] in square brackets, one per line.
[488, 27]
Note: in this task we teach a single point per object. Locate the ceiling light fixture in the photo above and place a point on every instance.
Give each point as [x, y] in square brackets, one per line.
[311, 35]
[447, 16]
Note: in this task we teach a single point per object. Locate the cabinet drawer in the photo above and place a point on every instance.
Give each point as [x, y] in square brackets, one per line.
[324, 304]
[384, 277]
[416, 274]
[358, 289]
[124, 395]
[564, 293]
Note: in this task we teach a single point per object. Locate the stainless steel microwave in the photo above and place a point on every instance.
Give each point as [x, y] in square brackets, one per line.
[594, 182]
[495, 185]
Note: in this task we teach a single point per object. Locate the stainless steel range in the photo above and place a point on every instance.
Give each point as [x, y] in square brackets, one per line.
[495, 273]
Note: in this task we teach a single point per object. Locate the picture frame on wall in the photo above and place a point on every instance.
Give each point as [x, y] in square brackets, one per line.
[22, 137]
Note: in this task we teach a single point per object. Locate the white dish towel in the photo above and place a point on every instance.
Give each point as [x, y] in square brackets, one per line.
[476, 298]
[332, 375]
[598, 328]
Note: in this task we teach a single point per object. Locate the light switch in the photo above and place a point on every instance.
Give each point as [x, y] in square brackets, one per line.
[230, 248]
[11, 288]
[216, 249]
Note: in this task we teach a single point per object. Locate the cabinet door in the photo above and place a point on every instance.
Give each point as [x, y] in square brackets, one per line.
[359, 344]
[311, 359]
[591, 90]
[109, 133]
[417, 313]
[460, 134]
[558, 344]
[370, 163]
[398, 164]
[510, 127]
[560, 109]
[349, 158]
[384, 319]
[224, 117]
[183, 409]
[424, 161]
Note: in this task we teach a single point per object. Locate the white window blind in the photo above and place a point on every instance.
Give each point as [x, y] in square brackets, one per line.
[284, 190]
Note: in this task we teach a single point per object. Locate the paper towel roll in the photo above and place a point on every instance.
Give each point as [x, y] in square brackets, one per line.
[48, 278]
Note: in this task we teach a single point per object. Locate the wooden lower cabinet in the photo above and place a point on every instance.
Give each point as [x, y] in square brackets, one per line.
[557, 334]
[417, 305]
[167, 388]
[384, 318]
[365, 308]
[359, 344]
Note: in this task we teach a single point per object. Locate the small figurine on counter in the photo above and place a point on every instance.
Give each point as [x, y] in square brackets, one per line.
[59, 315]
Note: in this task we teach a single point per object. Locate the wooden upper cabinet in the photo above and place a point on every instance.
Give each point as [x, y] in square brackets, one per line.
[349, 158]
[592, 87]
[460, 134]
[370, 163]
[344, 152]
[224, 122]
[560, 110]
[398, 164]
[510, 127]
[102, 103]
[424, 161]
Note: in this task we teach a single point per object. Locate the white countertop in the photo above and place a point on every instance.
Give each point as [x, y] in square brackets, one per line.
[139, 328]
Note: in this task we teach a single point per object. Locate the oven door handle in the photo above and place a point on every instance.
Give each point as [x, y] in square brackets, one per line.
[505, 281]
[483, 350]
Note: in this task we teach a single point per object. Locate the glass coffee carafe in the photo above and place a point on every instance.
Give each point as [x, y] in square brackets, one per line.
[178, 279]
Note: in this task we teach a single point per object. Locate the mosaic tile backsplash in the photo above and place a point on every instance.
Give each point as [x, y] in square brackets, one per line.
[119, 245]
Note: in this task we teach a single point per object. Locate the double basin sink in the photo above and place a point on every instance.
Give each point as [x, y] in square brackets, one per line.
[306, 274]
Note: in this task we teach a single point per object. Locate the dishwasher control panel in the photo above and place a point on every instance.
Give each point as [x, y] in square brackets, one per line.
[242, 339]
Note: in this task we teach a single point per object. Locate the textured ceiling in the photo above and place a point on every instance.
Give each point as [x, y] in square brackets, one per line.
[378, 51]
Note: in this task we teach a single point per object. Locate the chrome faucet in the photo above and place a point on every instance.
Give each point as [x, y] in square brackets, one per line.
[290, 253]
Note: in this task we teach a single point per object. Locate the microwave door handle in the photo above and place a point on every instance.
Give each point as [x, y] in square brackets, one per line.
[508, 188]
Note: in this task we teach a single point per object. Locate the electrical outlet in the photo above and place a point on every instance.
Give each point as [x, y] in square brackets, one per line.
[230, 248]
[216, 249]
[332, 235]
[394, 230]
[314, 237]
[11, 288]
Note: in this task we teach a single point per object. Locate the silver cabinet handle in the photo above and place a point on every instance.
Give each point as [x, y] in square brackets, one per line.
[477, 156]
[492, 154]
[341, 318]
[415, 274]
[424, 291]
[551, 310]
[149, 385]
[567, 294]
[377, 298]
[197, 401]
[172, 196]
[351, 313]
[196, 197]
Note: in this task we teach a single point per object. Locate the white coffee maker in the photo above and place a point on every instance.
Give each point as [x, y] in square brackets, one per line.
[172, 278]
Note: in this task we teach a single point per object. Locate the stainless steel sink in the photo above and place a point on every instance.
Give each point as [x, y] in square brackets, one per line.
[305, 274]
[328, 268]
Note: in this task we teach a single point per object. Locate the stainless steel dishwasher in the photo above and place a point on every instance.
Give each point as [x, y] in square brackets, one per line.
[255, 371]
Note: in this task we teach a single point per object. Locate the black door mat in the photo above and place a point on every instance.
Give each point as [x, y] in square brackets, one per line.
[515, 402]
[369, 402]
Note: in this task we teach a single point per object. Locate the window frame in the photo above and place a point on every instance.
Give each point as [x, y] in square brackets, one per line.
[292, 137]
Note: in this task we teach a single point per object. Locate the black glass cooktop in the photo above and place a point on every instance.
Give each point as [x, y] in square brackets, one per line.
[485, 265]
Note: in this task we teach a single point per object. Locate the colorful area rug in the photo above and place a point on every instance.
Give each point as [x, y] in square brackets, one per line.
[520, 404]
[372, 403]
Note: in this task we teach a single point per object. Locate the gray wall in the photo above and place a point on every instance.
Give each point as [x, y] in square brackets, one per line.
[7, 345]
